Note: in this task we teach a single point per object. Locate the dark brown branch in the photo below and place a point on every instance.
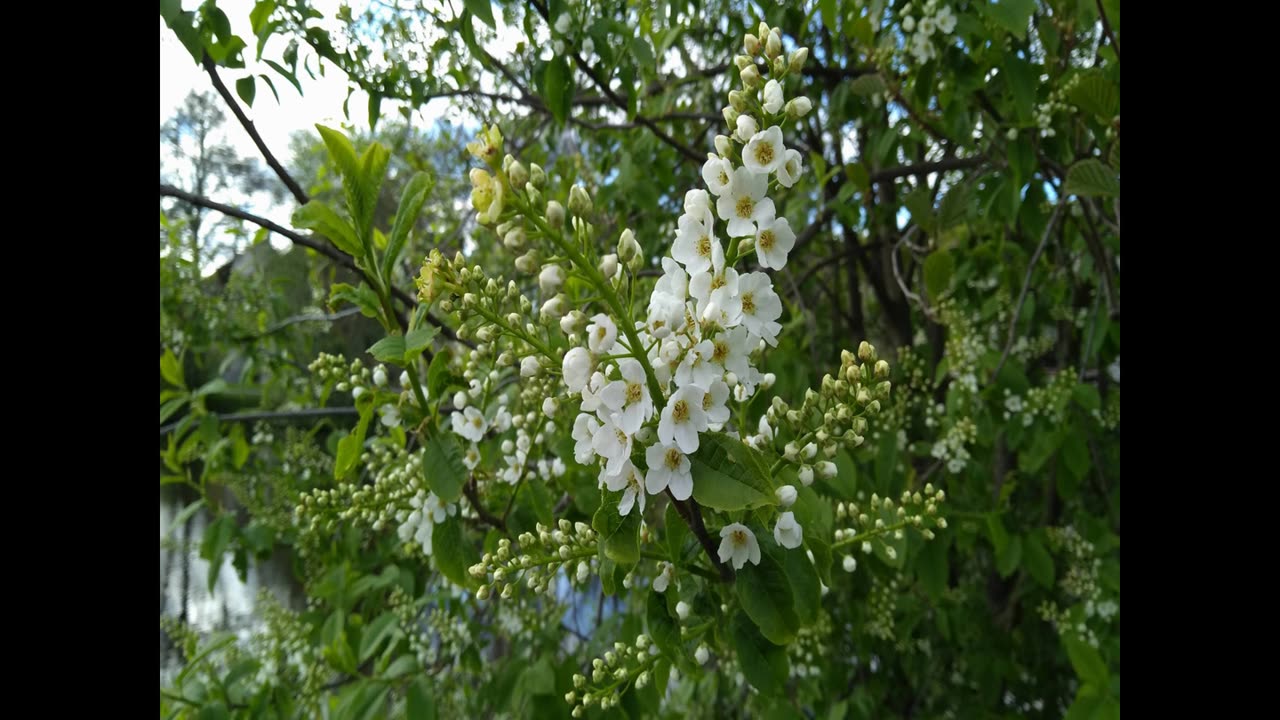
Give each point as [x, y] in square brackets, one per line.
[281, 415]
[692, 516]
[294, 188]
[485, 516]
[1026, 284]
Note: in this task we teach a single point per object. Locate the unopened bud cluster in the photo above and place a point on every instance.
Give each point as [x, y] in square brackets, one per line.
[539, 557]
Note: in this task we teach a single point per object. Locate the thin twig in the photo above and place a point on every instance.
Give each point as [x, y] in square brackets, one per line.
[1106, 28]
[1026, 283]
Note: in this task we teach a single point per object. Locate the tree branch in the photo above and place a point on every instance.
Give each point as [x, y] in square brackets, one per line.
[1106, 28]
[692, 517]
[1026, 283]
[285, 415]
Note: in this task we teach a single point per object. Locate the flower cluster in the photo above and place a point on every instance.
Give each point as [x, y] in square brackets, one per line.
[885, 522]
[540, 557]
[611, 675]
[932, 21]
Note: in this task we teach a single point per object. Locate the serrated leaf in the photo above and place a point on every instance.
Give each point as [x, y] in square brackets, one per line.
[1012, 15]
[1022, 84]
[389, 349]
[869, 84]
[765, 595]
[938, 269]
[728, 475]
[417, 341]
[1097, 95]
[442, 466]
[411, 202]
[1091, 177]
[619, 534]
[362, 297]
[764, 664]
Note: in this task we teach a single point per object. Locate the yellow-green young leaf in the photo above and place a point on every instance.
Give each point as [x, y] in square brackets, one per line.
[938, 268]
[482, 10]
[662, 628]
[389, 349]
[261, 13]
[411, 202]
[362, 297]
[442, 466]
[728, 475]
[171, 370]
[1091, 177]
[869, 84]
[246, 88]
[764, 664]
[321, 218]
[419, 705]
[452, 552]
[171, 406]
[362, 195]
[350, 446]
[417, 341]
[764, 592]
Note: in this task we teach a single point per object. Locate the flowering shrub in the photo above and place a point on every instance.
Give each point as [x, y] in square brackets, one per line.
[590, 468]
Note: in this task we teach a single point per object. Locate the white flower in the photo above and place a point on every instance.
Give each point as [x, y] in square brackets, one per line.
[470, 424]
[612, 443]
[588, 46]
[627, 479]
[666, 314]
[731, 349]
[792, 167]
[697, 367]
[908, 24]
[529, 366]
[713, 403]
[584, 429]
[460, 400]
[682, 419]
[629, 397]
[404, 378]
[471, 458]
[921, 48]
[945, 20]
[562, 23]
[761, 307]
[745, 127]
[502, 420]
[717, 172]
[436, 510]
[765, 430]
[697, 201]
[601, 334]
[786, 495]
[745, 203]
[717, 292]
[576, 368]
[765, 152]
[773, 100]
[806, 475]
[591, 393]
[927, 26]
[356, 392]
[380, 376]
[850, 563]
[739, 545]
[668, 467]
[550, 280]
[550, 406]
[682, 609]
[788, 532]
[696, 245]
[666, 573]
[798, 107]
[390, 415]
[826, 469]
[773, 241]
[702, 655]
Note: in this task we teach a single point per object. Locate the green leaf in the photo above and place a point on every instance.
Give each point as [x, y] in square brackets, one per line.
[389, 349]
[411, 202]
[954, 208]
[1009, 555]
[453, 554]
[662, 627]
[828, 9]
[217, 539]
[539, 678]
[558, 86]
[620, 535]
[483, 10]
[246, 88]
[1075, 453]
[377, 632]
[764, 664]
[802, 576]
[1037, 561]
[171, 370]
[728, 475]
[417, 341]
[419, 705]
[1022, 84]
[869, 84]
[1095, 94]
[261, 13]
[362, 297]
[1086, 395]
[349, 447]
[402, 665]
[816, 519]
[932, 567]
[321, 218]
[442, 466]
[677, 532]
[1087, 662]
[363, 701]
[1091, 177]
[642, 52]
[172, 406]
[765, 594]
[862, 31]
[1012, 15]
[938, 269]
[215, 710]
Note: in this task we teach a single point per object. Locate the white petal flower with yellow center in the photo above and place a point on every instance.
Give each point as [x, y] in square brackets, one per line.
[713, 404]
[774, 240]
[698, 366]
[628, 480]
[470, 424]
[612, 443]
[584, 430]
[682, 419]
[788, 532]
[738, 545]
[576, 368]
[761, 307]
[668, 468]
[718, 289]
[696, 245]
[601, 334]
[629, 397]
[792, 166]
[765, 152]
[717, 172]
[745, 203]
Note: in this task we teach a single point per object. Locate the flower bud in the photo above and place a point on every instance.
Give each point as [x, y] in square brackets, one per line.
[738, 100]
[742, 61]
[517, 174]
[579, 201]
[730, 115]
[550, 279]
[786, 496]
[798, 107]
[866, 351]
[628, 248]
[779, 65]
[682, 609]
[529, 367]
[750, 44]
[555, 214]
[750, 76]
[609, 266]
[528, 263]
[797, 59]
[723, 145]
[773, 46]
[515, 239]
[537, 176]
[460, 400]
